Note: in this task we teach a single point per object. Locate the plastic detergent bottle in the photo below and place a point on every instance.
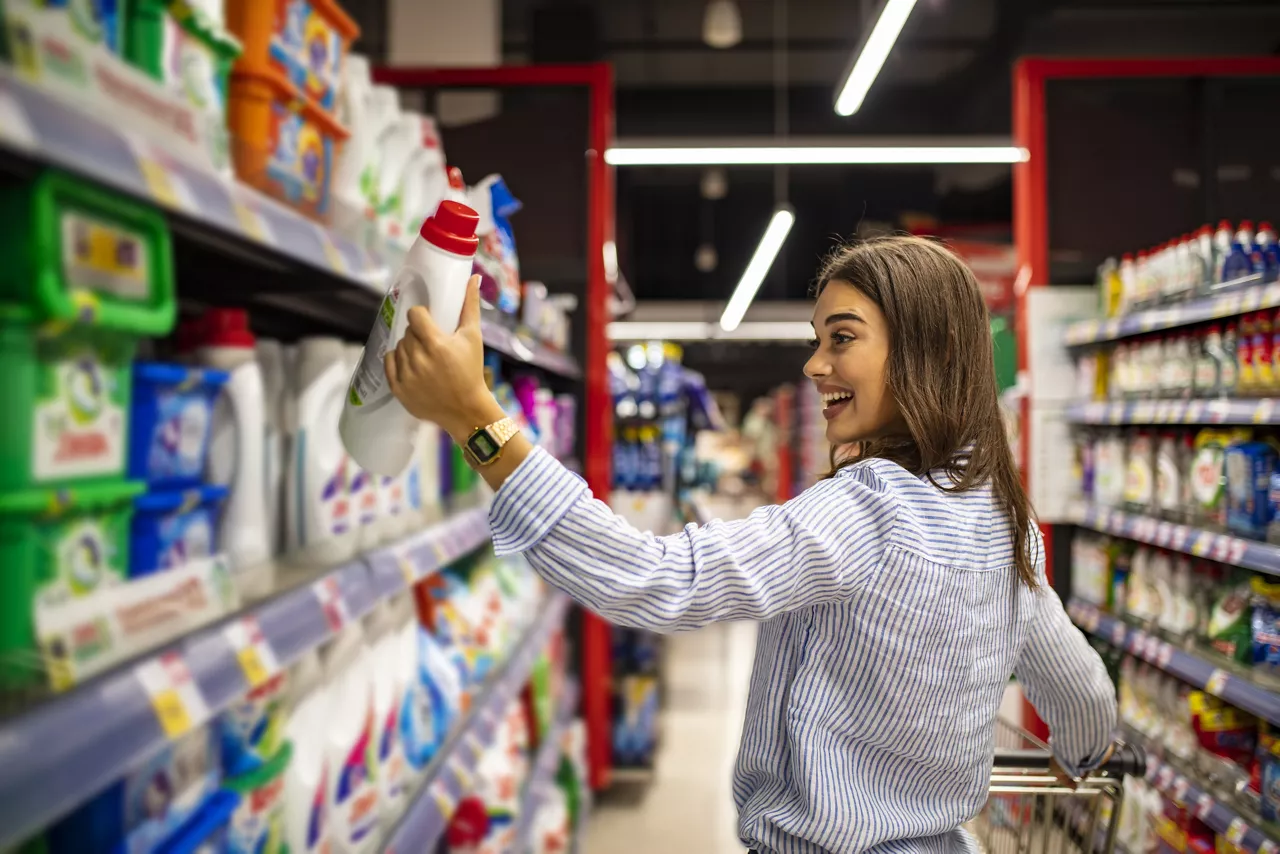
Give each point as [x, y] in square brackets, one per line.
[354, 112]
[271, 362]
[320, 518]
[388, 696]
[375, 428]
[365, 487]
[306, 782]
[235, 448]
[353, 791]
[1223, 237]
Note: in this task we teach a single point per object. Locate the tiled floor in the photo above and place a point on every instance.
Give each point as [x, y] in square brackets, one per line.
[688, 805]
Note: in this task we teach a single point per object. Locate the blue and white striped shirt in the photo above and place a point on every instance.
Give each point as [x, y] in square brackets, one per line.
[892, 618]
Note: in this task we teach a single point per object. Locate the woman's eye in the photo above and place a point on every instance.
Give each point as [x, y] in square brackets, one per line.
[841, 338]
[814, 343]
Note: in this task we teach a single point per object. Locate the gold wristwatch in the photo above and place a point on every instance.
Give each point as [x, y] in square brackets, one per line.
[486, 444]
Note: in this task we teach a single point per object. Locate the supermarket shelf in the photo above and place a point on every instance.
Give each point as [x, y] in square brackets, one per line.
[545, 764]
[230, 216]
[1263, 410]
[1191, 669]
[1225, 548]
[451, 774]
[57, 755]
[1220, 817]
[1238, 296]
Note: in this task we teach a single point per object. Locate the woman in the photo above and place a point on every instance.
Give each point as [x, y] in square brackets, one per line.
[896, 597]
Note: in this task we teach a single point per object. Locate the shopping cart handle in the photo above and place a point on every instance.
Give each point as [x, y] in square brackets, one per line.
[1127, 760]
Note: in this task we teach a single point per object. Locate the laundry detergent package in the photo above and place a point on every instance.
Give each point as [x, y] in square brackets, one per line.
[1249, 466]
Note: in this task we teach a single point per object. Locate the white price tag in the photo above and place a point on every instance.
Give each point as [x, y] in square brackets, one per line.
[331, 602]
[1203, 543]
[1204, 806]
[1164, 777]
[1195, 412]
[1263, 412]
[1217, 682]
[1164, 531]
[257, 658]
[174, 694]
[1180, 787]
[439, 792]
[1236, 550]
[1178, 540]
[1118, 634]
[1236, 831]
[1164, 655]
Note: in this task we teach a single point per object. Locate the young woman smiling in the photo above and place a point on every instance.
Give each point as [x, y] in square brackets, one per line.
[896, 597]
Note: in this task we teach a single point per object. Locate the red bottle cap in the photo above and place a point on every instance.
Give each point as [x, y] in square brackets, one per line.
[1265, 226]
[1224, 223]
[452, 228]
[455, 178]
[1205, 229]
[1246, 225]
[226, 327]
[1128, 256]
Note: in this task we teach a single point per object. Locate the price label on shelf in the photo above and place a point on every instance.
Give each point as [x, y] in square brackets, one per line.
[1202, 545]
[1195, 412]
[462, 774]
[1204, 806]
[474, 744]
[1091, 619]
[174, 693]
[1118, 634]
[1271, 294]
[1164, 655]
[1236, 548]
[1144, 412]
[1218, 411]
[1236, 831]
[1221, 549]
[1116, 415]
[1217, 682]
[332, 255]
[1264, 411]
[1251, 300]
[1180, 787]
[257, 658]
[1266, 846]
[1164, 777]
[408, 567]
[165, 187]
[444, 801]
[1230, 305]
[329, 594]
[1178, 540]
[252, 223]
[1111, 329]
[1164, 532]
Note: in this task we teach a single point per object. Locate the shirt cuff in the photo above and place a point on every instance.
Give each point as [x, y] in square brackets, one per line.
[533, 499]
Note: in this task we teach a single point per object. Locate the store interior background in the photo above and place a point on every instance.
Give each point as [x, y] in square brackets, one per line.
[1141, 119]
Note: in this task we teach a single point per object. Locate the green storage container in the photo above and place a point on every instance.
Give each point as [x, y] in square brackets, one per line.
[88, 273]
[55, 544]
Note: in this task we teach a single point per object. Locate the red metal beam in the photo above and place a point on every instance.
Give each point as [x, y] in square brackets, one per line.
[596, 665]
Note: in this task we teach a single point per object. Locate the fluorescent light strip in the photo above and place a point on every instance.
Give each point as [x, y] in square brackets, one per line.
[873, 55]
[779, 155]
[681, 330]
[774, 236]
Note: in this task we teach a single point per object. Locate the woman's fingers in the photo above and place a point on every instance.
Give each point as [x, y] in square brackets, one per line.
[393, 372]
[422, 325]
[471, 306]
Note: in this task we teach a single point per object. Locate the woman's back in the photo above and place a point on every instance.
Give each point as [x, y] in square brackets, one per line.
[873, 719]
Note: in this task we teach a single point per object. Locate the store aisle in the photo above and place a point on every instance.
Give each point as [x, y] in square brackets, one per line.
[689, 805]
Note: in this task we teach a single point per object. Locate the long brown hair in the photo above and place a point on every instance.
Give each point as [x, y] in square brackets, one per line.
[941, 371]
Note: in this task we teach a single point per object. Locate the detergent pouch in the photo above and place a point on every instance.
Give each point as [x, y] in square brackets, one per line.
[1249, 466]
[1229, 630]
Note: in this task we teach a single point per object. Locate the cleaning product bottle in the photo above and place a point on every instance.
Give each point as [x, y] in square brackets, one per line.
[1128, 284]
[1266, 257]
[354, 112]
[389, 681]
[235, 448]
[320, 518]
[366, 494]
[271, 361]
[376, 429]
[1203, 251]
[1223, 237]
[353, 791]
[306, 782]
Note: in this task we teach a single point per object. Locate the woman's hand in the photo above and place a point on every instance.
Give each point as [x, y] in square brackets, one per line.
[438, 376]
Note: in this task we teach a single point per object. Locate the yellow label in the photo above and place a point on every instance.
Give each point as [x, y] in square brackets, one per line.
[251, 663]
[172, 712]
[332, 255]
[408, 570]
[251, 223]
[160, 183]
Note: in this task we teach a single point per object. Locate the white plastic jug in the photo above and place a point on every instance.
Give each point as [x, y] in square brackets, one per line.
[306, 782]
[388, 696]
[321, 519]
[354, 110]
[236, 448]
[377, 431]
[271, 362]
[353, 791]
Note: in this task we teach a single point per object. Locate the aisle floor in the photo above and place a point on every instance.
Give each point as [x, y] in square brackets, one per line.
[688, 805]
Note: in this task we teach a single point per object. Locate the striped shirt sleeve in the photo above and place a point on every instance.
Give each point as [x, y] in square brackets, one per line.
[1066, 681]
[819, 547]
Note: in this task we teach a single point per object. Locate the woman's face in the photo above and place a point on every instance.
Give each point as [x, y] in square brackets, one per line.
[849, 366]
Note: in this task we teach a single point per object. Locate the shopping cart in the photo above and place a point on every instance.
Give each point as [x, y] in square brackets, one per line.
[1030, 810]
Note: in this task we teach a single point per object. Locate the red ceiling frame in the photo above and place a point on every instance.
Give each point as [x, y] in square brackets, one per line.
[1031, 183]
[597, 78]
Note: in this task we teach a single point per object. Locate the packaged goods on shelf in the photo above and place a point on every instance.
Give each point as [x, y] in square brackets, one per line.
[303, 41]
[496, 261]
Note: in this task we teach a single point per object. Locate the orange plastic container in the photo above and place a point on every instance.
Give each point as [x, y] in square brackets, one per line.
[281, 142]
[304, 40]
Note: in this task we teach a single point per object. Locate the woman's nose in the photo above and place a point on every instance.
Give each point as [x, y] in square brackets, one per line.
[816, 368]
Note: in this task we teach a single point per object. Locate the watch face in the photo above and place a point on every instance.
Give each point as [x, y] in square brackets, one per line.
[482, 445]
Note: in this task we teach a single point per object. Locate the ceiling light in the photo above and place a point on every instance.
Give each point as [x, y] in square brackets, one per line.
[722, 24]
[774, 236]
[811, 155]
[873, 54]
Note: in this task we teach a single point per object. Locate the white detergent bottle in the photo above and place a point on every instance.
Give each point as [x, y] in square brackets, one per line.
[425, 181]
[388, 696]
[354, 109]
[366, 492]
[288, 427]
[271, 362]
[383, 111]
[353, 790]
[306, 781]
[235, 448]
[320, 517]
[377, 431]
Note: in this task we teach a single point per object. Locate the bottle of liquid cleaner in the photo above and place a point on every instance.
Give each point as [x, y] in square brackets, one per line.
[306, 782]
[389, 678]
[271, 361]
[353, 789]
[366, 491]
[377, 431]
[321, 520]
[236, 448]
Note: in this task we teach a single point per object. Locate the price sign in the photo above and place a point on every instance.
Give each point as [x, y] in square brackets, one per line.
[1112, 328]
[175, 695]
[474, 744]
[1164, 531]
[1203, 543]
[252, 223]
[462, 774]
[1204, 806]
[1180, 787]
[1178, 541]
[1252, 300]
[1195, 412]
[408, 567]
[1118, 634]
[1236, 550]
[163, 185]
[257, 658]
[1268, 847]
[444, 801]
[334, 606]
[1236, 831]
[1164, 655]
[1263, 412]
[1217, 682]
[331, 253]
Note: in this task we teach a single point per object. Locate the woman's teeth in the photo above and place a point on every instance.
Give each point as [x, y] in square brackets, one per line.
[835, 397]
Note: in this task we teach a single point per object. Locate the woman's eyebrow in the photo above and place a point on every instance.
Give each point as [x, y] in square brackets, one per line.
[844, 315]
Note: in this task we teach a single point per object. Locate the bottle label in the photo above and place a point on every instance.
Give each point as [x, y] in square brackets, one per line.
[1207, 374]
[370, 378]
[356, 795]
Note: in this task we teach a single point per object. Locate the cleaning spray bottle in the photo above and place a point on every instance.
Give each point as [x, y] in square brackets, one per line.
[377, 431]
[235, 448]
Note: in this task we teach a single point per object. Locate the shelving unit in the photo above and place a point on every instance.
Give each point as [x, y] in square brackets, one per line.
[1262, 410]
[1184, 664]
[449, 776]
[1238, 296]
[1225, 548]
[1221, 817]
[543, 771]
[60, 753]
